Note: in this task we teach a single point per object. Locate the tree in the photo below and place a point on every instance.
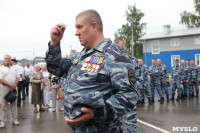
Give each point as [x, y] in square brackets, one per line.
[133, 16]
[191, 19]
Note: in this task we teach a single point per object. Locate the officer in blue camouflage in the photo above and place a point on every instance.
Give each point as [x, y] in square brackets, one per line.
[119, 41]
[194, 78]
[198, 70]
[130, 119]
[154, 74]
[186, 79]
[100, 85]
[177, 80]
[164, 78]
[189, 85]
[145, 83]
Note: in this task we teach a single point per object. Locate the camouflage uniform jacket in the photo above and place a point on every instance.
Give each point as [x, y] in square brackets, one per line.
[177, 73]
[101, 78]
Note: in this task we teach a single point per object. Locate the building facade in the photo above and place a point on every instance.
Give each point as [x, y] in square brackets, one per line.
[171, 45]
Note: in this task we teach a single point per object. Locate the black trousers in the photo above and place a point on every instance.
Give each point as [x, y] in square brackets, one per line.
[27, 88]
[21, 91]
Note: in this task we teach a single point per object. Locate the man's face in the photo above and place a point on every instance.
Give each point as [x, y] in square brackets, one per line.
[84, 32]
[187, 62]
[183, 62]
[176, 63]
[13, 63]
[121, 44]
[7, 60]
[153, 62]
[158, 61]
[27, 64]
[192, 62]
[140, 62]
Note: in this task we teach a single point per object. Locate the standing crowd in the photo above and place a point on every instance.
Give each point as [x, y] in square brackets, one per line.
[16, 79]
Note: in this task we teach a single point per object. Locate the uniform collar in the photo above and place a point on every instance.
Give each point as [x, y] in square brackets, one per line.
[101, 47]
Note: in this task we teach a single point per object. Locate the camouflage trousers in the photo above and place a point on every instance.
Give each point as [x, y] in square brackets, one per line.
[194, 87]
[138, 86]
[131, 121]
[164, 86]
[145, 91]
[186, 88]
[176, 85]
[155, 83]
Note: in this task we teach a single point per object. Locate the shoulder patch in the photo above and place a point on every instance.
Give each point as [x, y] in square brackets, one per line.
[132, 77]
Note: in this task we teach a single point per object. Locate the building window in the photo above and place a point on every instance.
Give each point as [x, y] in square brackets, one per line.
[173, 58]
[197, 59]
[155, 47]
[197, 40]
[174, 42]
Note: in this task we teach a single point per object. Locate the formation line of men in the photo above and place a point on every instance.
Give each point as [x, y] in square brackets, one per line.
[185, 78]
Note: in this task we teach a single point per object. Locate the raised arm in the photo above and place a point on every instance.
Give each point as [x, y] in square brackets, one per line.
[55, 64]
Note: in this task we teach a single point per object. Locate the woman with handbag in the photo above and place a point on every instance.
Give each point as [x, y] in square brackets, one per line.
[37, 88]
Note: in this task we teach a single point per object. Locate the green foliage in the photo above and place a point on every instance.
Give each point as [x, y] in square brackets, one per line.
[134, 16]
[190, 19]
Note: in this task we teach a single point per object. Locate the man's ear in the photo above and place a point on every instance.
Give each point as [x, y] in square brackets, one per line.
[94, 26]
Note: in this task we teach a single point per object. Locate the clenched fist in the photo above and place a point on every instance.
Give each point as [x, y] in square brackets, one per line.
[57, 33]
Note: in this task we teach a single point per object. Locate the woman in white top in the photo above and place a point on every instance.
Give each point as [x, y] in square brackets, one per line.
[47, 87]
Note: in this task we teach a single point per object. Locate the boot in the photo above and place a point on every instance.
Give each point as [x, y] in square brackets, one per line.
[182, 96]
[190, 95]
[150, 102]
[139, 104]
[185, 96]
[172, 98]
[178, 98]
[197, 95]
[161, 100]
[142, 102]
[167, 97]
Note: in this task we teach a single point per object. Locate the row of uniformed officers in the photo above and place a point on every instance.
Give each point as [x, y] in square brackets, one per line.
[185, 78]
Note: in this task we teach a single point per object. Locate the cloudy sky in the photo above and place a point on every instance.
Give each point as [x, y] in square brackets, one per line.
[25, 24]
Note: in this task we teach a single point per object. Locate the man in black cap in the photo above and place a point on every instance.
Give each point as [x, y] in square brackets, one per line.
[20, 85]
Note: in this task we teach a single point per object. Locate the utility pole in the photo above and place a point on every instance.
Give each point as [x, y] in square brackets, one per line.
[132, 40]
[70, 47]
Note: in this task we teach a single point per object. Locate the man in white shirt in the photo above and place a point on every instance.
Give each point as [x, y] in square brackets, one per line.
[9, 77]
[28, 70]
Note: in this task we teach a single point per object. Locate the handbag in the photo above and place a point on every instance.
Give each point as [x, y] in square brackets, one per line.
[27, 79]
[42, 86]
[11, 96]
